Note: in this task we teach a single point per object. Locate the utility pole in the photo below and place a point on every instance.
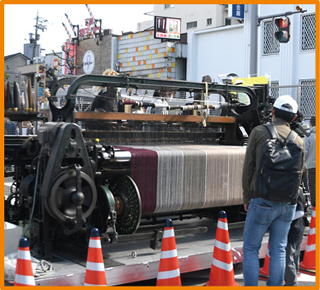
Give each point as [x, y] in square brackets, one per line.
[40, 24]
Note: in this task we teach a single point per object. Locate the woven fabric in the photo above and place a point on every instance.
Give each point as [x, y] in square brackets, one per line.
[144, 173]
[176, 178]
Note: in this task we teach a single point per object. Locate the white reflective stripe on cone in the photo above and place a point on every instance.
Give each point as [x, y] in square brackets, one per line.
[312, 231]
[222, 265]
[169, 254]
[222, 246]
[21, 279]
[94, 266]
[267, 253]
[168, 234]
[168, 274]
[24, 255]
[94, 244]
[222, 225]
[310, 248]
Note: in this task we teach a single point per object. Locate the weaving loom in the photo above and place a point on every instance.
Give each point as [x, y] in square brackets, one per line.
[110, 170]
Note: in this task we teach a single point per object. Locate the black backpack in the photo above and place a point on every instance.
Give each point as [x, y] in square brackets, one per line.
[279, 173]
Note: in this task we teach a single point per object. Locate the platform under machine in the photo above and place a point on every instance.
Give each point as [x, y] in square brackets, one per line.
[135, 261]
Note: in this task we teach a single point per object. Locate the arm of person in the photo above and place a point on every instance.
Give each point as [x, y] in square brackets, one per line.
[248, 168]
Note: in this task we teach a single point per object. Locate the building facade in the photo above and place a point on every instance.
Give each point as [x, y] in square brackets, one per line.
[289, 67]
[193, 16]
[12, 64]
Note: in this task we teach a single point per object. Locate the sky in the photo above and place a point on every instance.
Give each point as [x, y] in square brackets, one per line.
[16, 33]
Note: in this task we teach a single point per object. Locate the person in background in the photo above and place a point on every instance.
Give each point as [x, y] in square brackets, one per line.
[265, 214]
[295, 237]
[138, 110]
[161, 102]
[30, 128]
[310, 157]
[18, 129]
[10, 127]
[106, 97]
[39, 125]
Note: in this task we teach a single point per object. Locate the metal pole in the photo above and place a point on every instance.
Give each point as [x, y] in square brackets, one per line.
[35, 38]
[254, 40]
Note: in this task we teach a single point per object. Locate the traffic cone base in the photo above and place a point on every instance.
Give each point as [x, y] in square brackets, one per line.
[24, 273]
[308, 265]
[222, 273]
[263, 278]
[169, 271]
[308, 272]
[264, 271]
[227, 279]
[95, 271]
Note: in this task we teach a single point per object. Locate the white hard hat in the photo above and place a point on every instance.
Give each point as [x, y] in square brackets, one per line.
[286, 103]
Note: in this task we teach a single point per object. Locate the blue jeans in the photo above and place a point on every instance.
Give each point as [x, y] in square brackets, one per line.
[263, 215]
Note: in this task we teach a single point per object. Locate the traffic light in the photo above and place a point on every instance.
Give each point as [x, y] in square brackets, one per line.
[283, 24]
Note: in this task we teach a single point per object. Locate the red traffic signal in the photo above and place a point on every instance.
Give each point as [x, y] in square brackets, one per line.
[283, 33]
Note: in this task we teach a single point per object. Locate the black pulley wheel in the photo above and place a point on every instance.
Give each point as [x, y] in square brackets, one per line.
[64, 197]
[128, 204]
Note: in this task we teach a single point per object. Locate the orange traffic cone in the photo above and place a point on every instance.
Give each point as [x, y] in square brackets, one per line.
[24, 274]
[95, 272]
[169, 271]
[264, 271]
[222, 273]
[308, 265]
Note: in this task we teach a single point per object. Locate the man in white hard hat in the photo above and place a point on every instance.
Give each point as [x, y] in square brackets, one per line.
[264, 214]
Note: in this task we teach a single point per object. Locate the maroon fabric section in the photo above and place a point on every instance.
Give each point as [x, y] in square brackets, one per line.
[144, 170]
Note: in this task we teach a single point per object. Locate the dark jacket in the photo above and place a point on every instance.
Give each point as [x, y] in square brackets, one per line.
[253, 152]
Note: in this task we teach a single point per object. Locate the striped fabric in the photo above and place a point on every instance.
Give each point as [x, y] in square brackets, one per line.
[182, 177]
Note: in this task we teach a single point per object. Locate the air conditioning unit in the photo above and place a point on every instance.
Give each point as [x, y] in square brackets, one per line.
[28, 62]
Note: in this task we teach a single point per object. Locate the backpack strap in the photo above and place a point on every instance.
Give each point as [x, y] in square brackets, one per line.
[272, 130]
[292, 135]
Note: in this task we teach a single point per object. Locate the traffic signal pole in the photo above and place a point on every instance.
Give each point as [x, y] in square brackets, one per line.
[255, 22]
[253, 40]
[281, 14]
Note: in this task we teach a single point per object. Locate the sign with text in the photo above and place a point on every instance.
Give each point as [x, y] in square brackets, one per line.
[236, 11]
[167, 28]
[69, 56]
[86, 31]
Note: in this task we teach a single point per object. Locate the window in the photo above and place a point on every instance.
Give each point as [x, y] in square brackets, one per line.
[308, 32]
[191, 24]
[209, 21]
[166, 6]
[274, 89]
[227, 21]
[270, 44]
[308, 97]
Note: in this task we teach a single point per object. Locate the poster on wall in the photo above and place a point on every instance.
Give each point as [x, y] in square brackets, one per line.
[167, 28]
[69, 48]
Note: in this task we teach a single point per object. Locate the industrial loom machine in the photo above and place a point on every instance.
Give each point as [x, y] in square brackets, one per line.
[112, 170]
